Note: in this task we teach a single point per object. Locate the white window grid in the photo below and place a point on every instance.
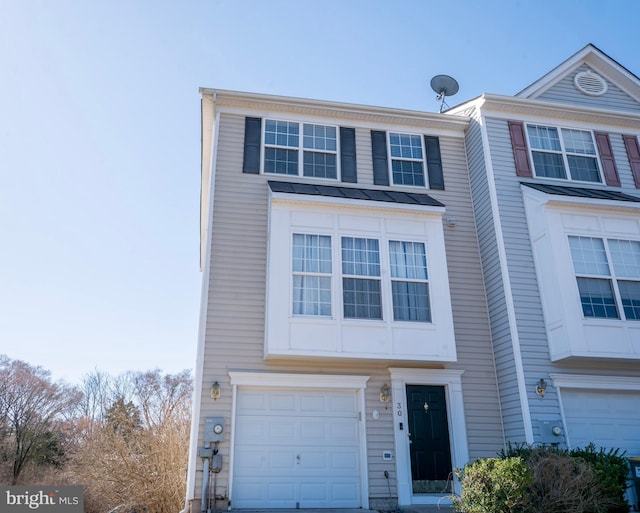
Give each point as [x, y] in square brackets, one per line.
[383, 274]
[312, 269]
[604, 258]
[407, 148]
[567, 142]
[317, 141]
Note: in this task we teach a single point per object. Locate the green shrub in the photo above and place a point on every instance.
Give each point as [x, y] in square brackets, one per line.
[493, 486]
[527, 479]
[611, 470]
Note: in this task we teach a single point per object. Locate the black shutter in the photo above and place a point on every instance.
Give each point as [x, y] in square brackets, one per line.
[348, 155]
[379, 154]
[434, 162]
[252, 132]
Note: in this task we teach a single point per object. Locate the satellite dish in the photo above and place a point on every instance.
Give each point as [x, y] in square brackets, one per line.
[445, 86]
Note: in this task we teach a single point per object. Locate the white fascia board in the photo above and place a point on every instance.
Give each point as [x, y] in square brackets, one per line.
[209, 121]
[306, 199]
[595, 382]
[507, 107]
[207, 208]
[576, 202]
[355, 115]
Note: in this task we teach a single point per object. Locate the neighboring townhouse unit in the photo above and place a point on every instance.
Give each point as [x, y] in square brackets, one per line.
[345, 356]
[555, 177]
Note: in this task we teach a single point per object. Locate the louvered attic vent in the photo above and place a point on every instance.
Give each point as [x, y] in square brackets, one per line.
[590, 83]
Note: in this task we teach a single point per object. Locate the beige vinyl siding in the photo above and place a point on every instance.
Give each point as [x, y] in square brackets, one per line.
[364, 158]
[500, 329]
[565, 92]
[235, 316]
[473, 337]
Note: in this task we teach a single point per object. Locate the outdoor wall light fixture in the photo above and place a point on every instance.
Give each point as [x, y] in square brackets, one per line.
[385, 392]
[541, 386]
[215, 390]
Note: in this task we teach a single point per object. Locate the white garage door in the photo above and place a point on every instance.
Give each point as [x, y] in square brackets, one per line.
[608, 418]
[296, 449]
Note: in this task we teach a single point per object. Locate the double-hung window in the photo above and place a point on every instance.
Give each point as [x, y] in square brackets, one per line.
[306, 149]
[407, 161]
[361, 288]
[564, 153]
[364, 293]
[311, 263]
[608, 276]
[409, 285]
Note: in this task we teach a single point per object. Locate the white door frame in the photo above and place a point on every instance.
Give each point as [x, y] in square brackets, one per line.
[358, 384]
[452, 382]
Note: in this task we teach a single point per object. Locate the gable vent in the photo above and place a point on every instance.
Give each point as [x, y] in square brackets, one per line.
[588, 82]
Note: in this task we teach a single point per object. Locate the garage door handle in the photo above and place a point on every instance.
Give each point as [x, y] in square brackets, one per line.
[297, 459]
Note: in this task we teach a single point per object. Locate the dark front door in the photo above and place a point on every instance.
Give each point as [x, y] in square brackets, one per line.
[429, 436]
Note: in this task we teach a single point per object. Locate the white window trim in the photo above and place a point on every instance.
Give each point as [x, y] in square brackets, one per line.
[289, 380]
[385, 279]
[425, 175]
[625, 383]
[566, 327]
[452, 381]
[563, 152]
[404, 340]
[300, 148]
[612, 277]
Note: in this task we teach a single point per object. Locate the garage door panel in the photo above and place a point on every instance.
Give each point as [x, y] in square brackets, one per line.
[283, 402]
[608, 418]
[344, 432]
[332, 431]
[345, 462]
[292, 449]
[259, 461]
[345, 491]
[252, 401]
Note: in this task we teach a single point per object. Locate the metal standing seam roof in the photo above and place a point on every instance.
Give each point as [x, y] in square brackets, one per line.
[582, 192]
[408, 198]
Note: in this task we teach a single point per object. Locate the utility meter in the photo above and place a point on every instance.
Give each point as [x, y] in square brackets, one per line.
[213, 429]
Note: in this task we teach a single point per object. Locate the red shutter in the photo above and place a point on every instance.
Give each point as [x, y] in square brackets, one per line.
[606, 157]
[633, 152]
[520, 152]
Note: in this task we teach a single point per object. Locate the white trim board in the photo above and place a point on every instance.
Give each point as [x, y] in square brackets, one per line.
[291, 380]
[452, 381]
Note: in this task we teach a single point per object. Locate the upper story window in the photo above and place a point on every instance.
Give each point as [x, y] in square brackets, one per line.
[311, 262]
[563, 153]
[407, 161]
[306, 149]
[410, 288]
[608, 275]
[363, 289]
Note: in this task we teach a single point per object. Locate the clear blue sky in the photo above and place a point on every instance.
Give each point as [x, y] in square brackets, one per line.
[100, 137]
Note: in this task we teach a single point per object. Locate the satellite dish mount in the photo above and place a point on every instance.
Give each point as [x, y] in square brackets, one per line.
[444, 86]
